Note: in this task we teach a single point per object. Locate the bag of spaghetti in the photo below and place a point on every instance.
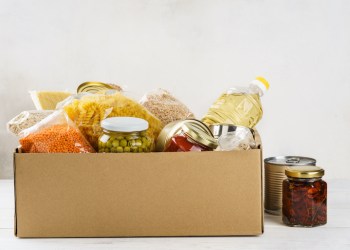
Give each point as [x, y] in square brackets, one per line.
[54, 134]
[88, 110]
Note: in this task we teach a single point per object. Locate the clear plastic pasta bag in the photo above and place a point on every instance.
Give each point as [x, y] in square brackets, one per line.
[54, 134]
[88, 110]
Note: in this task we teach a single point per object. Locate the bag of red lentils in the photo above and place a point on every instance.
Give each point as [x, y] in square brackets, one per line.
[54, 134]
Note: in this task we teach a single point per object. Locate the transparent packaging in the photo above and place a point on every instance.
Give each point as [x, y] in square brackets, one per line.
[26, 119]
[238, 106]
[54, 134]
[304, 202]
[165, 106]
[124, 142]
[189, 139]
[88, 110]
[182, 143]
[240, 139]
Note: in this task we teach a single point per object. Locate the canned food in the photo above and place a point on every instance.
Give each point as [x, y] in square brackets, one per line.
[274, 176]
[222, 129]
[175, 128]
[95, 87]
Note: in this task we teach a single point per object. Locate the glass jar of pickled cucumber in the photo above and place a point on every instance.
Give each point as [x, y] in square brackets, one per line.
[124, 135]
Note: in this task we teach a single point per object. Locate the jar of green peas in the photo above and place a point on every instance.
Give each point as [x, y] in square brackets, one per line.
[124, 135]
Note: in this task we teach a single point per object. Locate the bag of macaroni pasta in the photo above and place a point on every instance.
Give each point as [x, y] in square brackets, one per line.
[165, 106]
[88, 110]
[54, 134]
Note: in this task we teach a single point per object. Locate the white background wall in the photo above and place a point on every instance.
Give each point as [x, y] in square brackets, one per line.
[195, 49]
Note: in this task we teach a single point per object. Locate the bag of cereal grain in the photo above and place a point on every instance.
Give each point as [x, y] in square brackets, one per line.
[165, 106]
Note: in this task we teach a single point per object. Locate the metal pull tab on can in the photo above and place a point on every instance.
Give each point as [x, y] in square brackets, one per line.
[293, 160]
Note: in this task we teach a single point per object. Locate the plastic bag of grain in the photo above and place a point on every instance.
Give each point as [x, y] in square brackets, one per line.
[165, 106]
[26, 119]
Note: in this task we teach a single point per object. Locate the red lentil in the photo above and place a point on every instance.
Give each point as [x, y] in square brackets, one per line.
[56, 139]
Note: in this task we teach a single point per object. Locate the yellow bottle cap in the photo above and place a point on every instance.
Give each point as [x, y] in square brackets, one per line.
[263, 81]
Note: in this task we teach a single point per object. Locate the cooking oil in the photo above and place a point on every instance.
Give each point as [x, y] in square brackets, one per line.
[239, 106]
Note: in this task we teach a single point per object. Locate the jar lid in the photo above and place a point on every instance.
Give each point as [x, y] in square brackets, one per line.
[306, 172]
[199, 136]
[94, 87]
[174, 128]
[124, 124]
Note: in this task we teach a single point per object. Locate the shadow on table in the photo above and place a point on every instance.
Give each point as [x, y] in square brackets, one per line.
[273, 219]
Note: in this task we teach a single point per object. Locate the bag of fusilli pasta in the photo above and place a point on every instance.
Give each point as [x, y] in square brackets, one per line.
[88, 110]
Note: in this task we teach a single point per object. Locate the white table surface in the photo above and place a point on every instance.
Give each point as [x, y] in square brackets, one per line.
[334, 235]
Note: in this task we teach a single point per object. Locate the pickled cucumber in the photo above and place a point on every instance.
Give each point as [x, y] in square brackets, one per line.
[125, 144]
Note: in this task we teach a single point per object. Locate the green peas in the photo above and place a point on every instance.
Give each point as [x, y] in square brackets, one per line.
[125, 143]
[138, 143]
[115, 143]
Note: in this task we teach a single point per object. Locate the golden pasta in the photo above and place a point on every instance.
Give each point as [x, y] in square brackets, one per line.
[88, 111]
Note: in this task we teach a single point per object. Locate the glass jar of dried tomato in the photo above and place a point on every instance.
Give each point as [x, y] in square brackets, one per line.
[189, 139]
[304, 197]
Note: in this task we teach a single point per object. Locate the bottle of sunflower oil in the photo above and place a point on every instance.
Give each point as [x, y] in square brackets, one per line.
[239, 106]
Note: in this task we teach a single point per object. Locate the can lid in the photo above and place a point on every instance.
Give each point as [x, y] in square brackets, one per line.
[199, 136]
[290, 160]
[94, 87]
[174, 128]
[306, 172]
[124, 124]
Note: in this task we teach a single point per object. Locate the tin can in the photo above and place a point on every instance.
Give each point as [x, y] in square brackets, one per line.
[222, 129]
[175, 128]
[275, 174]
[95, 87]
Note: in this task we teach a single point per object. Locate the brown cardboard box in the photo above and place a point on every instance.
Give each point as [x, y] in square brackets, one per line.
[155, 194]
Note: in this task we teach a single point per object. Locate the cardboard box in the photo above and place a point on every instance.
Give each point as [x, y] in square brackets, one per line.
[122, 195]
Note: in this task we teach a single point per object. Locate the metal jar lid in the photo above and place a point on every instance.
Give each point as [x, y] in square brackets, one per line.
[174, 128]
[304, 172]
[199, 136]
[94, 87]
[290, 161]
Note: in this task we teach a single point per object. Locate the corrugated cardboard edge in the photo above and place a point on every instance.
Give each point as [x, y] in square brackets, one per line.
[18, 150]
[259, 145]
